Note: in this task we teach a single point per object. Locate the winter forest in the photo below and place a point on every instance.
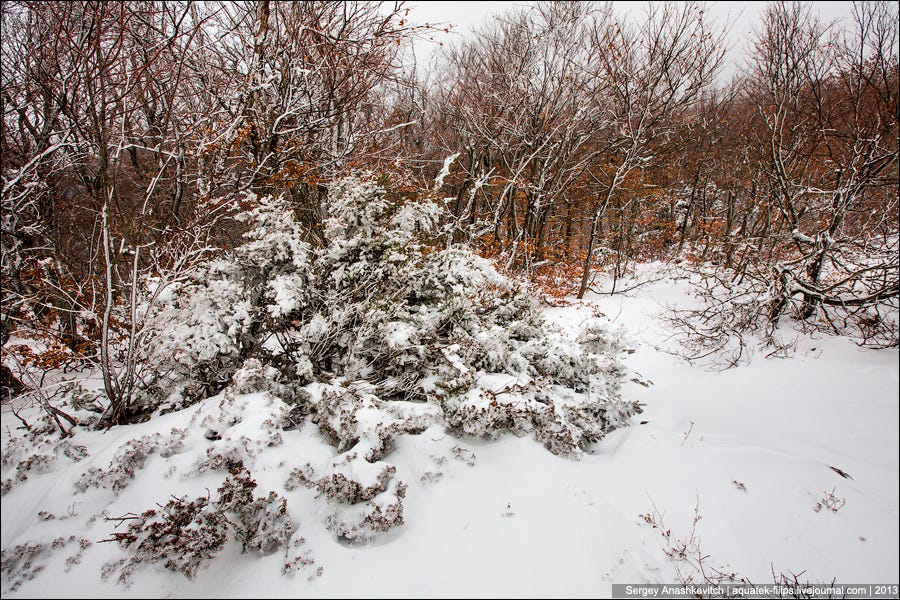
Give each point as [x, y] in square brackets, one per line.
[573, 299]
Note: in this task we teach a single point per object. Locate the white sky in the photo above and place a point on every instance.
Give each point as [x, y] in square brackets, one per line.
[741, 17]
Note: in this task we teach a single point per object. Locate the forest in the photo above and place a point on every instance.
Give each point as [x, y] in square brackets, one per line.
[205, 202]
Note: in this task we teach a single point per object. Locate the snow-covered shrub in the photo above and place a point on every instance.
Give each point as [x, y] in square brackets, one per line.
[296, 559]
[364, 497]
[34, 453]
[182, 535]
[379, 315]
[185, 533]
[378, 333]
[363, 522]
[221, 317]
[260, 524]
[129, 459]
[354, 417]
[23, 562]
[244, 420]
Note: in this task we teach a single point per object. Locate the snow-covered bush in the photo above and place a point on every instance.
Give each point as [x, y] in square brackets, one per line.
[221, 317]
[364, 496]
[129, 459]
[204, 328]
[23, 562]
[354, 417]
[34, 453]
[380, 315]
[185, 533]
[380, 332]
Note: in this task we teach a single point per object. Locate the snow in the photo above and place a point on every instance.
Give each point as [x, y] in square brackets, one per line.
[750, 447]
[445, 170]
[283, 290]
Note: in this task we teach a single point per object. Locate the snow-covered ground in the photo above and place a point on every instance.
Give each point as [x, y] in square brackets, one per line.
[754, 449]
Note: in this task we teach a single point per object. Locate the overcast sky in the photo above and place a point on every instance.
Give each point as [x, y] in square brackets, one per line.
[740, 17]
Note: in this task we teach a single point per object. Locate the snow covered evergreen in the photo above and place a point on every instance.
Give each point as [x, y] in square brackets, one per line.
[382, 306]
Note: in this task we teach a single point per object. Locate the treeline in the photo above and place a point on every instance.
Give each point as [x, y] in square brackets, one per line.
[561, 138]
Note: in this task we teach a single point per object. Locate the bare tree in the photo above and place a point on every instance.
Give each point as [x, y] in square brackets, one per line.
[515, 104]
[828, 104]
[293, 87]
[652, 72]
[811, 221]
[97, 141]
